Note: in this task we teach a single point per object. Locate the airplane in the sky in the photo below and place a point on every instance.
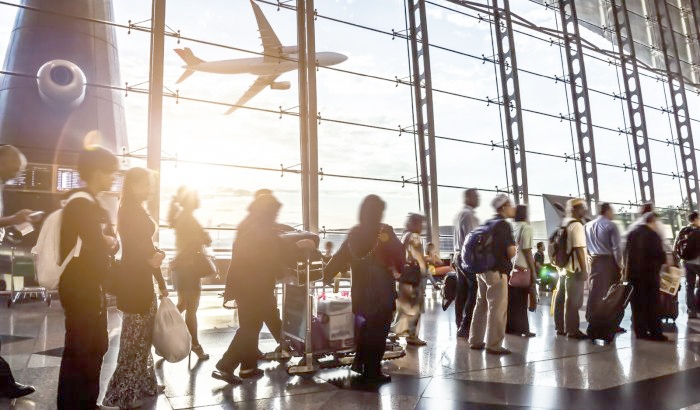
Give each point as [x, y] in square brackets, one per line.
[278, 59]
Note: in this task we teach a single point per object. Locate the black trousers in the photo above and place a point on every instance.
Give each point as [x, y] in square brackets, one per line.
[7, 381]
[272, 318]
[371, 332]
[85, 344]
[244, 346]
[645, 317]
[465, 300]
[691, 274]
[517, 310]
[604, 272]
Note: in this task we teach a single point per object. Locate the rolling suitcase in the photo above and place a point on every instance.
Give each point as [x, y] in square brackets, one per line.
[607, 315]
[668, 306]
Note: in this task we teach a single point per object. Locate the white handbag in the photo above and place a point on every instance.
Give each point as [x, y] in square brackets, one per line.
[171, 338]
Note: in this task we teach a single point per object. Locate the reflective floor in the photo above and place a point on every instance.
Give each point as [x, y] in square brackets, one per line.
[547, 371]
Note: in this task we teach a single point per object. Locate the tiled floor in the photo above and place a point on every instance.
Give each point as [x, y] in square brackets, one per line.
[544, 372]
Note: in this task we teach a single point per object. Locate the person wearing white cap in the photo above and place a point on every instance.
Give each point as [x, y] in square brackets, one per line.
[570, 297]
[492, 300]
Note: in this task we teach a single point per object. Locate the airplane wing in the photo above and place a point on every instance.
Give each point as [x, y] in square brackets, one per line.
[271, 44]
[259, 85]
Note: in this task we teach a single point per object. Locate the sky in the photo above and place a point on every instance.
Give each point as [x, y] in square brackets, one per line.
[199, 132]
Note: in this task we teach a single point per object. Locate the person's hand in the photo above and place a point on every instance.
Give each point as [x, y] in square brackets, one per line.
[21, 216]
[164, 293]
[112, 243]
[534, 298]
[306, 244]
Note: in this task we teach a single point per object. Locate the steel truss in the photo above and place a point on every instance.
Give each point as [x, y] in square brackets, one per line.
[633, 97]
[425, 127]
[681, 116]
[579, 98]
[511, 100]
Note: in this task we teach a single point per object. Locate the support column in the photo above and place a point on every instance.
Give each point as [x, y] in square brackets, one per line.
[679, 101]
[510, 86]
[633, 98]
[303, 111]
[312, 116]
[155, 103]
[423, 90]
[579, 98]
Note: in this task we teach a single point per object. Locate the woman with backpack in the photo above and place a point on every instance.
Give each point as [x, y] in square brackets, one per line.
[190, 238]
[412, 282]
[522, 285]
[135, 376]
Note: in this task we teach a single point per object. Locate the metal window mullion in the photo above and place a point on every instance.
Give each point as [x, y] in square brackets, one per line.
[679, 101]
[580, 101]
[422, 88]
[633, 98]
[512, 108]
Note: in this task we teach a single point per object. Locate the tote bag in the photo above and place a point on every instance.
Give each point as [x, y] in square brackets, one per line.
[171, 338]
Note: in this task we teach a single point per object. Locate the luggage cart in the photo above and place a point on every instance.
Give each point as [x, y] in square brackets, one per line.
[27, 293]
[297, 327]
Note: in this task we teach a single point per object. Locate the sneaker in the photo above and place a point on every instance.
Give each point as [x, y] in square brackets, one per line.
[498, 351]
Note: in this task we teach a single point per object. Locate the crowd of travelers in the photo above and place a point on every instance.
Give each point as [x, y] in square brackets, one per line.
[494, 272]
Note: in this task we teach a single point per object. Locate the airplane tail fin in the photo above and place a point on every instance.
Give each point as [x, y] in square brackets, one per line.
[184, 76]
[188, 56]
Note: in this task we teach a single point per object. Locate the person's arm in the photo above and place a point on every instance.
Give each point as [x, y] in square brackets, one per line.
[340, 262]
[615, 245]
[17, 218]
[580, 255]
[578, 246]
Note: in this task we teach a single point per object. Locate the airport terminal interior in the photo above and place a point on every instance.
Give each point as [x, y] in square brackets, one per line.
[544, 372]
[322, 103]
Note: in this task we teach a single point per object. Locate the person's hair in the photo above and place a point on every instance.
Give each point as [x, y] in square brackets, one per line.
[185, 199]
[649, 217]
[131, 177]
[96, 159]
[521, 213]
[605, 207]
[646, 208]
[540, 244]
[371, 210]
[328, 244]
[263, 191]
[414, 222]
[693, 216]
[469, 192]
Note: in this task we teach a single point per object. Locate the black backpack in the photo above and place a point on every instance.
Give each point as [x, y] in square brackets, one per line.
[558, 255]
[686, 246]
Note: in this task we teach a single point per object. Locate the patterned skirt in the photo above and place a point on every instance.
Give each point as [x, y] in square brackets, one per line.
[135, 376]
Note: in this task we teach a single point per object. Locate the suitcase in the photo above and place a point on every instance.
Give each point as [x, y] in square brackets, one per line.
[667, 306]
[607, 315]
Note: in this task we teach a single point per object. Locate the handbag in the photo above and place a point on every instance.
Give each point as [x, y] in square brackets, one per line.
[198, 264]
[411, 274]
[171, 338]
[520, 277]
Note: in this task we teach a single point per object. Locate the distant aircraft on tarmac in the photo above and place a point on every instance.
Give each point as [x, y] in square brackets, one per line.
[278, 59]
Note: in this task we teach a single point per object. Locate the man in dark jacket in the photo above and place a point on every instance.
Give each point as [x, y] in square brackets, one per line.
[645, 256]
[251, 283]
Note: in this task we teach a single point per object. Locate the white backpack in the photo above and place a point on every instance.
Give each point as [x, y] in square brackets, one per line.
[47, 250]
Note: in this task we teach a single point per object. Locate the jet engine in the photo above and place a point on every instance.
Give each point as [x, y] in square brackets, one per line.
[282, 85]
[289, 49]
[61, 84]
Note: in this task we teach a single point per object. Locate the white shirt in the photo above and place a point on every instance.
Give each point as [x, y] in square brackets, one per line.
[522, 232]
